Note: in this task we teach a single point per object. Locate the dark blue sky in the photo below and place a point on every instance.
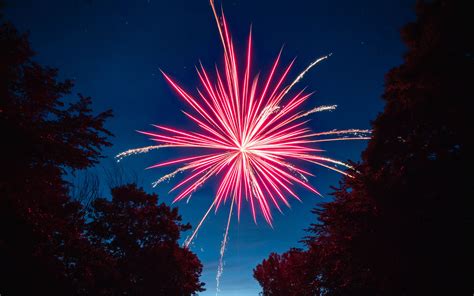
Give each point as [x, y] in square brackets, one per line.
[113, 49]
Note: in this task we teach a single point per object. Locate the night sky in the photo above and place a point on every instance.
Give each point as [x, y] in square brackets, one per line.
[113, 50]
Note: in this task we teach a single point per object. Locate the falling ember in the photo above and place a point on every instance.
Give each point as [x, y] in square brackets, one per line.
[253, 131]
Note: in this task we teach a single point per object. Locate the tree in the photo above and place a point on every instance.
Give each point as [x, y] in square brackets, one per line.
[42, 249]
[420, 157]
[286, 275]
[402, 226]
[142, 237]
[343, 243]
[128, 246]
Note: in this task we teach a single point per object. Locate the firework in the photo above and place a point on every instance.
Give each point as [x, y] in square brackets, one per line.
[250, 134]
[252, 130]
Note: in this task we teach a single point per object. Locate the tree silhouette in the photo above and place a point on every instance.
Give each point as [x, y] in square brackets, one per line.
[128, 245]
[41, 243]
[343, 243]
[402, 226]
[418, 161]
[287, 275]
[142, 237]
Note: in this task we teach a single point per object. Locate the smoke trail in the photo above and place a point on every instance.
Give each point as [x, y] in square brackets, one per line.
[299, 77]
[169, 176]
[355, 132]
[220, 268]
[318, 109]
[146, 149]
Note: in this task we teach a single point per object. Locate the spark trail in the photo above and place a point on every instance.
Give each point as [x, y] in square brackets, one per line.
[250, 133]
[220, 268]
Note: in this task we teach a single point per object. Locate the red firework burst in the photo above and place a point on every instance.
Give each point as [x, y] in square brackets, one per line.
[253, 131]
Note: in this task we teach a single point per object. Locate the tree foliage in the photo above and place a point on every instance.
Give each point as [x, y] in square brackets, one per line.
[141, 236]
[128, 245]
[40, 227]
[286, 275]
[402, 226]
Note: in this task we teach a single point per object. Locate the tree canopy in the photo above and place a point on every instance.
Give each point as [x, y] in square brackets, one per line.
[142, 238]
[41, 242]
[402, 225]
[49, 243]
